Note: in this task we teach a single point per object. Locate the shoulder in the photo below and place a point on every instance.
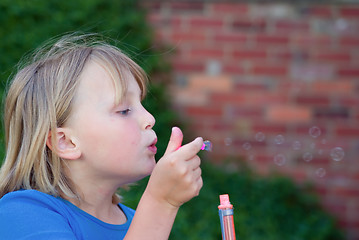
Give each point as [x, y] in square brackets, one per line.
[32, 211]
[18, 200]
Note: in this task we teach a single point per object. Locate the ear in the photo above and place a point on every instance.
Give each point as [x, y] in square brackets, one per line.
[65, 146]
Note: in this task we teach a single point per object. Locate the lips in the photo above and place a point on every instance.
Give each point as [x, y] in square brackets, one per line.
[153, 147]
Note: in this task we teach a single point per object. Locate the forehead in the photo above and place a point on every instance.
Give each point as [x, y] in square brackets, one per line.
[99, 80]
[120, 68]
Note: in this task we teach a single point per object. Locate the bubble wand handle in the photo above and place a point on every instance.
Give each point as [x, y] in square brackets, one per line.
[225, 210]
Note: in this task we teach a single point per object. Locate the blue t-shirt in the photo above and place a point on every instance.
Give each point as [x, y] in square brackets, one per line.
[30, 214]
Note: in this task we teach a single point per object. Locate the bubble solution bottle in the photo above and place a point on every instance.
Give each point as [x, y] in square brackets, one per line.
[225, 210]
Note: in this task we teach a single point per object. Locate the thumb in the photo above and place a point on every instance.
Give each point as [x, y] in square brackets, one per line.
[175, 140]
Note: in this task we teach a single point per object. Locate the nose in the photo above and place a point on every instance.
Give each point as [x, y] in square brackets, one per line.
[149, 120]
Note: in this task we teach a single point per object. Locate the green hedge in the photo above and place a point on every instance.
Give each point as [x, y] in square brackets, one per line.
[270, 208]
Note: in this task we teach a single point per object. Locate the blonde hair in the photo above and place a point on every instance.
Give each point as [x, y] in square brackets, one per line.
[39, 100]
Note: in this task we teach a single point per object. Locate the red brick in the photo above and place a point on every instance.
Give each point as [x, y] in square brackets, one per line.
[187, 6]
[245, 87]
[313, 100]
[346, 192]
[335, 88]
[249, 54]
[205, 22]
[209, 111]
[331, 113]
[320, 11]
[269, 128]
[262, 39]
[349, 41]
[205, 53]
[348, 72]
[206, 83]
[230, 37]
[229, 8]
[291, 26]
[349, 11]
[333, 56]
[347, 131]
[312, 41]
[267, 99]
[187, 66]
[220, 126]
[181, 37]
[288, 114]
[249, 25]
[268, 70]
[248, 112]
[227, 98]
[304, 129]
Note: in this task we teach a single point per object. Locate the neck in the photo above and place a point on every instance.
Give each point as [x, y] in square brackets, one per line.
[97, 198]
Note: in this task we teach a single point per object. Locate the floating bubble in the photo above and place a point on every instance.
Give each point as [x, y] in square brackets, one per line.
[312, 145]
[207, 145]
[260, 137]
[315, 132]
[228, 141]
[307, 156]
[280, 159]
[296, 145]
[246, 146]
[279, 139]
[337, 153]
[320, 151]
[320, 172]
[324, 141]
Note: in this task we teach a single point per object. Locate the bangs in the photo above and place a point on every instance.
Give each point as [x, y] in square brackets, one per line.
[118, 66]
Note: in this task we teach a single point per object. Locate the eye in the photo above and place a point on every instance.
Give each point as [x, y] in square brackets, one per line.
[124, 112]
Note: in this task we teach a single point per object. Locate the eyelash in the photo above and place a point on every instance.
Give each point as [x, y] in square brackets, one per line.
[125, 112]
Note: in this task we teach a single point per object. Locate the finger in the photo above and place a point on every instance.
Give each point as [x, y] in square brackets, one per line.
[194, 163]
[175, 140]
[197, 173]
[191, 149]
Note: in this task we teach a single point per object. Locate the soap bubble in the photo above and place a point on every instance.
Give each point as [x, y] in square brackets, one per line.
[312, 145]
[280, 159]
[320, 172]
[315, 132]
[337, 154]
[307, 157]
[228, 141]
[246, 146]
[296, 145]
[260, 137]
[279, 139]
[324, 141]
[207, 145]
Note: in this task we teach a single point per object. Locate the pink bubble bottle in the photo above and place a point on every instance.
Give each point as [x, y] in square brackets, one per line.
[225, 210]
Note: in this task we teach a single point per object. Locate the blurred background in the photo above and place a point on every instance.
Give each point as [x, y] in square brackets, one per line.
[273, 85]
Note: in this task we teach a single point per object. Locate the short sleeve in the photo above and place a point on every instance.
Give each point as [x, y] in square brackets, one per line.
[24, 216]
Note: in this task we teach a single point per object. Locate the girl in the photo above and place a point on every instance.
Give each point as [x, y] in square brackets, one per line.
[75, 132]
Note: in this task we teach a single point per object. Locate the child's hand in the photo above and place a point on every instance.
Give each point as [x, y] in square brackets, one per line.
[177, 176]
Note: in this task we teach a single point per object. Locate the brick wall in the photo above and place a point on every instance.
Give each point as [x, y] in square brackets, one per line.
[276, 84]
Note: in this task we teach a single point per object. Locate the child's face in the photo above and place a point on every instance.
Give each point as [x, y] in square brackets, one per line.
[116, 142]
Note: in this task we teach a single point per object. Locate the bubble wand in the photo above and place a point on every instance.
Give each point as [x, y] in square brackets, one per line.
[225, 210]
